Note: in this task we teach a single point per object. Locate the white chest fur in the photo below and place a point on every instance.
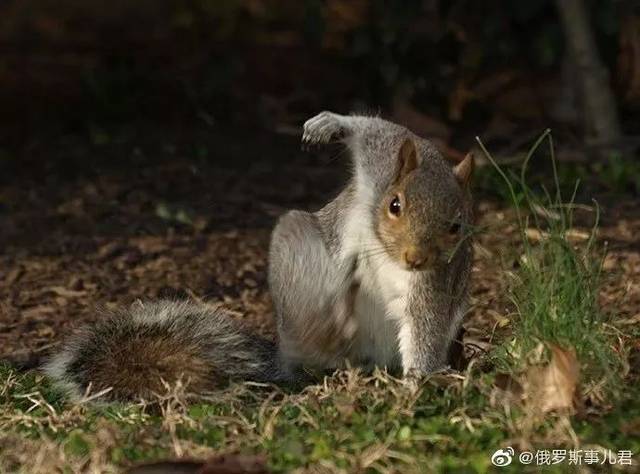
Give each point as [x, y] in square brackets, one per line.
[381, 299]
[379, 311]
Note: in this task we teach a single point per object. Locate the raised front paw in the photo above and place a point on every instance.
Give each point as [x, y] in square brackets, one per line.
[322, 129]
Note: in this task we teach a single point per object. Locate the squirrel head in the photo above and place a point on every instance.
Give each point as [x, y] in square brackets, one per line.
[425, 213]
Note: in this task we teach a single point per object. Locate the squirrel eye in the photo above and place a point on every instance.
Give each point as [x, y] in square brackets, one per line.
[395, 208]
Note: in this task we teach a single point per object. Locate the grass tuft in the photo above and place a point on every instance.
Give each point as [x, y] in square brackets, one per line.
[554, 288]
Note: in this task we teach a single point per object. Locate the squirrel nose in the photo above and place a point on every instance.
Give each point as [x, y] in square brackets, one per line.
[413, 258]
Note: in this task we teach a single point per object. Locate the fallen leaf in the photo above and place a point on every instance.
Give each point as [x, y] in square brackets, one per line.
[546, 213]
[610, 263]
[38, 312]
[109, 250]
[576, 235]
[535, 235]
[572, 235]
[554, 386]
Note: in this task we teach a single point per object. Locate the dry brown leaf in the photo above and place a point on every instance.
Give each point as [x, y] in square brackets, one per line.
[545, 212]
[554, 386]
[150, 244]
[572, 235]
[576, 235]
[610, 262]
[535, 235]
[38, 312]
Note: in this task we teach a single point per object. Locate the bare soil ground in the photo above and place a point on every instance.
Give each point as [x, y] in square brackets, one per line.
[91, 222]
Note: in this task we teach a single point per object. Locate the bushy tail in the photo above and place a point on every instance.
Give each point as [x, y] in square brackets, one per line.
[132, 353]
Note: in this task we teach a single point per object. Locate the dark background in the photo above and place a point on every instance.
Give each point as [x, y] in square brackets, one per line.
[452, 70]
[146, 147]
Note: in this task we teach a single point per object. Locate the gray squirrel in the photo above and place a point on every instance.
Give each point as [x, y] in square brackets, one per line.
[377, 277]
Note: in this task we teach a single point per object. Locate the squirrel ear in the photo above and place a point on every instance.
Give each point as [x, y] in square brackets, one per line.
[464, 170]
[407, 158]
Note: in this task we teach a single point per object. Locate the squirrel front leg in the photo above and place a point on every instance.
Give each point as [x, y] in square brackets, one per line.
[325, 128]
[372, 141]
[426, 333]
[312, 294]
